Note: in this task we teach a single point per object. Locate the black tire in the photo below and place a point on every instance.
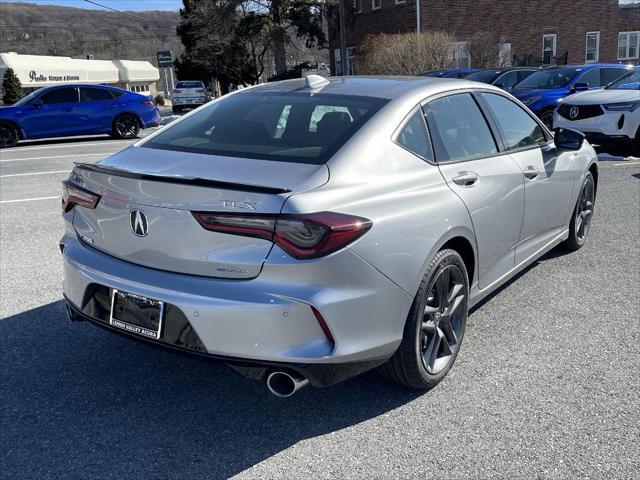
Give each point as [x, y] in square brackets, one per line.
[635, 145]
[582, 215]
[175, 110]
[125, 126]
[9, 135]
[418, 363]
[547, 118]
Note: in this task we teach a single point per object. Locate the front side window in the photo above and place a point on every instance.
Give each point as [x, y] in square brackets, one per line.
[593, 47]
[550, 78]
[414, 136]
[630, 81]
[628, 45]
[88, 94]
[298, 127]
[60, 95]
[458, 128]
[590, 77]
[517, 126]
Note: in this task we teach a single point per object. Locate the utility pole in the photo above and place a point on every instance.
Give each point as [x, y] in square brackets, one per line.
[418, 16]
[343, 38]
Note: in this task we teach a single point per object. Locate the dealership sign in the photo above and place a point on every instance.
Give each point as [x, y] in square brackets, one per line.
[165, 59]
[34, 77]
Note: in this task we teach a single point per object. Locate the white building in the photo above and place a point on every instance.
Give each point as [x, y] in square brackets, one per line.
[35, 71]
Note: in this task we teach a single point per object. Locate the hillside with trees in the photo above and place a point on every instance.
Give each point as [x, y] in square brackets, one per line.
[66, 31]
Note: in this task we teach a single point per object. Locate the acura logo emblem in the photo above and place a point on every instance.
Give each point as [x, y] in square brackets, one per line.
[138, 223]
[573, 113]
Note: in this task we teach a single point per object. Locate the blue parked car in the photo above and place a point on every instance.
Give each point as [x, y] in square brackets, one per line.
[542, 90]
[70, 110]
[455, 73]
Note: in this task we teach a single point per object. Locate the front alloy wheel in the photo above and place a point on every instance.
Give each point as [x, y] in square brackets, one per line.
[435, 325]
[547, 119]
[8, 135]
[582, 214]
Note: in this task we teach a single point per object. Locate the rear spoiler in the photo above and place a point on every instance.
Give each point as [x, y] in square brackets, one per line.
[195, 181]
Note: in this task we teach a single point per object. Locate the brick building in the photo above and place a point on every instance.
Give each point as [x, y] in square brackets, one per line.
[533, 32]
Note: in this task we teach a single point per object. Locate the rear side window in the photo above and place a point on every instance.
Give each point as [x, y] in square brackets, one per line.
[60, 95]
[518, 128]
[458, 128]
[522, 74]
[612, 74]
[414, 136]
[88, 94]
[507, 80]
[291, 127]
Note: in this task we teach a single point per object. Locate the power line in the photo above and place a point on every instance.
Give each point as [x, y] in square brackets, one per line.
[116, 10]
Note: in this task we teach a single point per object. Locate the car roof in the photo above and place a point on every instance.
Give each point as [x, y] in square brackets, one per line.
[587, 66]
[386, 87]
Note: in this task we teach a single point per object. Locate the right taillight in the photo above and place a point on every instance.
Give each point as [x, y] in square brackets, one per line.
[301, 236]
[73, 194]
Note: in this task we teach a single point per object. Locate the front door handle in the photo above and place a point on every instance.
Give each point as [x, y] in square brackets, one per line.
[531, 172]
[466, 179]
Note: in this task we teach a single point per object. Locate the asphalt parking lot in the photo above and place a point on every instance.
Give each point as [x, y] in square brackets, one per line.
[547, 384]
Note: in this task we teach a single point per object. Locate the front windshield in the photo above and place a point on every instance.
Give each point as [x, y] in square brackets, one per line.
[630, 81]
[484, 76]
[28, 98]
[550, 78]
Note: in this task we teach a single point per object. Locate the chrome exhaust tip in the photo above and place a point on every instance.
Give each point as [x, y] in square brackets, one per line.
[283, 384]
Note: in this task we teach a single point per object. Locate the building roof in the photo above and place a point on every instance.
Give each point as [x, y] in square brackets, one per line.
[42, 70]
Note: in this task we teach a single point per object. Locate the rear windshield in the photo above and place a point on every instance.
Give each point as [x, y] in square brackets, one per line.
[299, 127]
[551, 78]
[189, 85]
[484, 76]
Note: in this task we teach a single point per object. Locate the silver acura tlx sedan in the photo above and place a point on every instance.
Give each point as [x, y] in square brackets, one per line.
[306, 231]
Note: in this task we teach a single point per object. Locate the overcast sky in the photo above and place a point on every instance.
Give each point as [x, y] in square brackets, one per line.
[117, 4]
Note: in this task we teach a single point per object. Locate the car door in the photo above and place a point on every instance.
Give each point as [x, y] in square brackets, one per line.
[548, 173]
[96, 109]
[53, 114]
[490, 184]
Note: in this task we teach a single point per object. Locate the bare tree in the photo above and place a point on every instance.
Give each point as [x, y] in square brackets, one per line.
[405, 53]
[484, 50]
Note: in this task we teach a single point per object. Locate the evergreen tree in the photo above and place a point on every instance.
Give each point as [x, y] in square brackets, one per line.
[11, 87]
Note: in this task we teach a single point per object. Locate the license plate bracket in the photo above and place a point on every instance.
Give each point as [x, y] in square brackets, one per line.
[136, 314]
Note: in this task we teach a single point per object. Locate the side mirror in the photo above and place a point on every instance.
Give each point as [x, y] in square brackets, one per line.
[580, 86]
[37, 103]
[568, 139]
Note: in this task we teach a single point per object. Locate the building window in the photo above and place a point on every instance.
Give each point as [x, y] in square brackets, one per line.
[357, 6]
[461, 57]
[548, 48]
[628, 45]
[376, 4]
[400, 2]
[593, 47]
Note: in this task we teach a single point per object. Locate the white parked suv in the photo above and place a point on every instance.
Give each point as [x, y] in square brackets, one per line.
[608, 115]
[188, 94]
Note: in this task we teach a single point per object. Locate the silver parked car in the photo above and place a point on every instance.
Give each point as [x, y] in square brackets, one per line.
[307, 231]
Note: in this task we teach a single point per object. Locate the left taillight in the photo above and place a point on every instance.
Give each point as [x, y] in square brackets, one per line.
[73, 194]
[148, 103]
[301, 236]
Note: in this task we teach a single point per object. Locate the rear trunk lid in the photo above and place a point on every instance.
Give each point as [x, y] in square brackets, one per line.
[165, 187]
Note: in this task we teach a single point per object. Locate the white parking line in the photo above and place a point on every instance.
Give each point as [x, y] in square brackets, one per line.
[29, 199]
[33, 173]
[70, 145]
[625, 163]
[104, 154]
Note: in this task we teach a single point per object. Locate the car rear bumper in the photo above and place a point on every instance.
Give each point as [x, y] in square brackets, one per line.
[188, 101]
[265, 321]
[151, 119]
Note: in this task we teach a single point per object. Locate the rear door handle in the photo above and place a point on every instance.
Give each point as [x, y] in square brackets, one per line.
[531, 172]
[466, 179]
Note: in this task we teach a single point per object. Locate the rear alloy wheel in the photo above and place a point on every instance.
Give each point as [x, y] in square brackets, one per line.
[435, 327]
[582, 215]
[126, 126]
[547, 119]
[8, 135]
